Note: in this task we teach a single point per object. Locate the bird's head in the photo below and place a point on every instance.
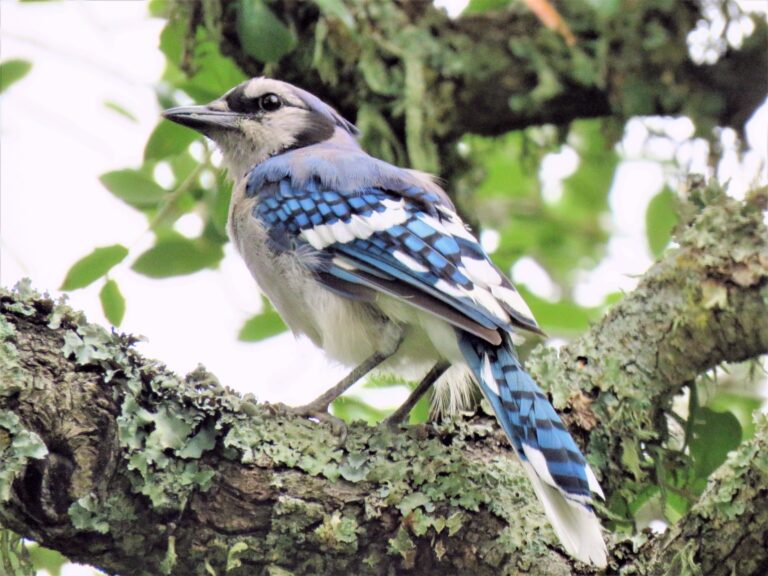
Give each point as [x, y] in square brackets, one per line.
[263, 117]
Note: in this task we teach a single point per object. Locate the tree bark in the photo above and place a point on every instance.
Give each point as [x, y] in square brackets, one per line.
[114, 461]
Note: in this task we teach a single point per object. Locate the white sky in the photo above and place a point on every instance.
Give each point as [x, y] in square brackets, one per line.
[57, 138]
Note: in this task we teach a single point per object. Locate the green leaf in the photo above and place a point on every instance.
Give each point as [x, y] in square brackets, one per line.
[563, 315]
[115, 107]
[350, 408]
[337, 9]
[93, 266]
[216, 73]
[11, 71]
[134, 188]
[262, 326]
[660, 220]
[485, 5]
[714, 434]
[172, 39]
[420, 413]
[175, 255]
[262, 34]
[45, 559]
[168, 139]
[112, 302]
[739, 404]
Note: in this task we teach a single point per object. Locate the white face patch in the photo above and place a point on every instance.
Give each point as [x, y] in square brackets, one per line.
[260, 86]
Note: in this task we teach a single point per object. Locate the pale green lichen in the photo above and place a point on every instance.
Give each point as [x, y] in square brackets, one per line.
[337, 533]
[87, 513]
[17, 446]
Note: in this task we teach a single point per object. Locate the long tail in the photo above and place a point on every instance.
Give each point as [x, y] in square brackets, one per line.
[561, 478]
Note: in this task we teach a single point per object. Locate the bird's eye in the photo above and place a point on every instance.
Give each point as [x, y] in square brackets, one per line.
[270, 102]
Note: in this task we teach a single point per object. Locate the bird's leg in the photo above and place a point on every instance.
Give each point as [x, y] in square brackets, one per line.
[401, 414]
[318, 408]
[322, 402]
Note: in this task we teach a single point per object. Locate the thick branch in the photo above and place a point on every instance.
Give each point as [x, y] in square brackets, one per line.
[117, 463]
[488, 73]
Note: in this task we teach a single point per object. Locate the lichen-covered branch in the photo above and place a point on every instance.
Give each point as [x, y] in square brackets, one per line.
[111, 459]
[726, 532]
[704, 303]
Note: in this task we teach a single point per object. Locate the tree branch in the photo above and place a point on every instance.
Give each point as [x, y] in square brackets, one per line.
[491, 72]
[114, 461]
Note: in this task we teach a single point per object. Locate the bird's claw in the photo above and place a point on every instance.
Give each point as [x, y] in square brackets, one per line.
[314, 411]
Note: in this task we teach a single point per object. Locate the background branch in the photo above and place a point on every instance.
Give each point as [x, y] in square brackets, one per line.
[495, 71]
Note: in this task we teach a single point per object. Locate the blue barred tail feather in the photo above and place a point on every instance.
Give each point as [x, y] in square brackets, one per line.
[561, 477]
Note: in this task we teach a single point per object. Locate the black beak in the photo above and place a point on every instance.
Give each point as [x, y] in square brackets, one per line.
[202, 118]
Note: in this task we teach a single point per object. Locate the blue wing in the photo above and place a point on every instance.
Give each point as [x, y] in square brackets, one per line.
[402, 238]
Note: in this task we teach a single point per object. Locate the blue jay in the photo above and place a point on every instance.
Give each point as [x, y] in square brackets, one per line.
[373, 264]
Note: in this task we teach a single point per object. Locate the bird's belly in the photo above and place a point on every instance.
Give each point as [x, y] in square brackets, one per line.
[348, 331]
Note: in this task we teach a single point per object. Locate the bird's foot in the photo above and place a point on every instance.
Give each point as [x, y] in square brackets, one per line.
[314, 411]
[398, 418]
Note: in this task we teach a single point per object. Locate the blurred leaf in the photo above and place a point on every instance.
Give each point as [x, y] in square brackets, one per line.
[14, 555]
[175, 255]
[562, 315]
[159, 8]
[714, 434]
[740, 405]
[168, 139]
[509, 171]
[675, 506]
[585, 192]
[605, 8]
[172, 40]
[216, 73]
[112, 302]
[115, 107]
[485, 5]
[182, 165]
[384, 380]
[262, 34]
[218, 203]
[350, 408]
[46, 559]
[420, 412]
[643, 497]
[337, 9]
[11, 71]
[660, 220]
[93, 266]
[133, 187]
[262, 326]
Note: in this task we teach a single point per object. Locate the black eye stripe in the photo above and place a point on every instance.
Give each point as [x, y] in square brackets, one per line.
[237, 101]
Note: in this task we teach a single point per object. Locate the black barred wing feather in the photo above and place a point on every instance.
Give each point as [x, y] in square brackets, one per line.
[379, 240]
